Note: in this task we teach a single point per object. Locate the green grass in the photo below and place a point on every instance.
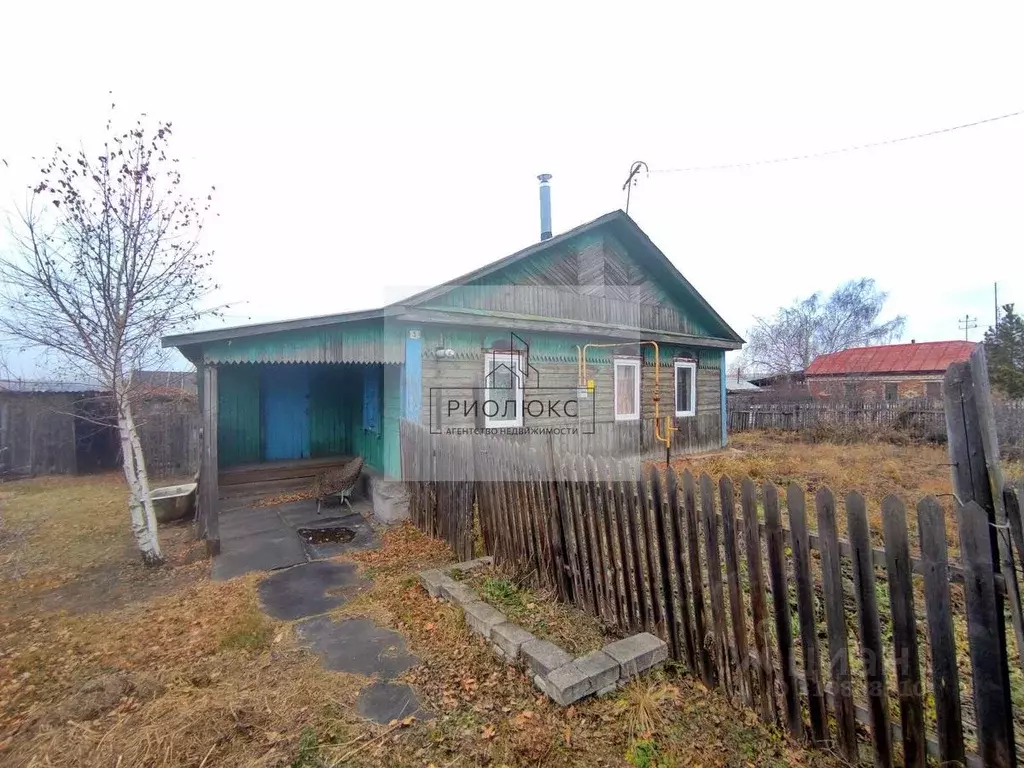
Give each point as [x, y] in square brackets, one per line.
[251, 632]
[502, 594]
[643, 754]
[309, 750]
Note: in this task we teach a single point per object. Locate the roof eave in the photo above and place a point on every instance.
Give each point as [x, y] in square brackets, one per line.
[258, 329]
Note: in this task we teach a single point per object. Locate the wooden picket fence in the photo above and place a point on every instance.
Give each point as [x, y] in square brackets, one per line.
[919, 418]
[716, 571]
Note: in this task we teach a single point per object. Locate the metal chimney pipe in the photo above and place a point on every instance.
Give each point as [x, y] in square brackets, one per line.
[545, 206]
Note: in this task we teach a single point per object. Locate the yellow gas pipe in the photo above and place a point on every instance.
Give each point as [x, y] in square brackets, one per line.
[581, 354]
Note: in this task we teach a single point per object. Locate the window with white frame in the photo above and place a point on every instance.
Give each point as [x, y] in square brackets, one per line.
[503, 390]
[686, 387]
[627, 389]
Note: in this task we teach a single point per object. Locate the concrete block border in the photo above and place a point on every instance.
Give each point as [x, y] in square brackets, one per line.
[556, 673]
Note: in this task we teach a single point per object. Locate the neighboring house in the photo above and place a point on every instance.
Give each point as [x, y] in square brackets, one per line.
[892, 372]
[55, 427]
[497, 348]
[790, 383]
[740, 385]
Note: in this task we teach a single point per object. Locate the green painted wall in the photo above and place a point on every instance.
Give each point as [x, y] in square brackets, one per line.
[335, 415]
[238, 424]
[330, 390]
[369, 342]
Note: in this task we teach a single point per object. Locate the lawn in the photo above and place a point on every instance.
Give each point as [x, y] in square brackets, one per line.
[103, 662]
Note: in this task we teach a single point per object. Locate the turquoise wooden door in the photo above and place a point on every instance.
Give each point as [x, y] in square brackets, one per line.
[285, 406]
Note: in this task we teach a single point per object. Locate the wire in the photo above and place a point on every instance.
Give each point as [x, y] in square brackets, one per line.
[812, 155]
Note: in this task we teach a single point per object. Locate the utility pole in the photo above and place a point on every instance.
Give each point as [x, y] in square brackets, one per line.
[967, 324]
[995, 301]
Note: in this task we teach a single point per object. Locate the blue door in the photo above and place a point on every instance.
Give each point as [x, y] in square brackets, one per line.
[285, 402]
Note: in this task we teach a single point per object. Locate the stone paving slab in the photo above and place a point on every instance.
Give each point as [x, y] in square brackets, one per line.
[432, 580]
[637, 653]
[582, 677]
[261, 551]
[249, 521]
[481, 618]
[383, 702]
[542, 656]
[458, 593]
[510, 638]
[302, 591]
[357, 645]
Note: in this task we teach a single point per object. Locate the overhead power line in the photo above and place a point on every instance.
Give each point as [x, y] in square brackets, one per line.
[856, 148]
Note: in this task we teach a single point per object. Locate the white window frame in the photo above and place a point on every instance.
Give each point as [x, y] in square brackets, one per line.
[632, 362]
[690, 365]
[512, 360]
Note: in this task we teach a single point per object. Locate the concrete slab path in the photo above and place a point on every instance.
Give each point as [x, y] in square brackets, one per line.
[357, 645]
[267, 538]
[383, 702]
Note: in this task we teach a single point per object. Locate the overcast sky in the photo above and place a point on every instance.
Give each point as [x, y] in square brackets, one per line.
[362, 154]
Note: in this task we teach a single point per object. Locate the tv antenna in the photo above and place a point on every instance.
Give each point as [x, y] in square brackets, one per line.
[967, 324]
[631, 179]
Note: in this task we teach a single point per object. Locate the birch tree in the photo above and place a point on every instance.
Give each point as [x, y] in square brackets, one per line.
[814, 326]
[106, 260]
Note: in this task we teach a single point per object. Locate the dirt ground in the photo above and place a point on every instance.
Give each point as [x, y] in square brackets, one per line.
[105, 663]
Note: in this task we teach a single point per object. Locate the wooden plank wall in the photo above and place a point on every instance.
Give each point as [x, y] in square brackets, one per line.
[37, 434]
[840, 640]
[599, 433]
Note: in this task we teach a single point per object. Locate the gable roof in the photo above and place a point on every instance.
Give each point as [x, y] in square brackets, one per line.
[626, 229]
[618, 222]
[926, 357]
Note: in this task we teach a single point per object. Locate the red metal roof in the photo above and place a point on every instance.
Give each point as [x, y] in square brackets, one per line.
[927, 357]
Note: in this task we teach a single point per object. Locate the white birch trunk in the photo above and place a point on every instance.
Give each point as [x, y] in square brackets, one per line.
[144, 526]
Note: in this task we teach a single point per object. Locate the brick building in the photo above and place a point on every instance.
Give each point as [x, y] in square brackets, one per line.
[891, 372]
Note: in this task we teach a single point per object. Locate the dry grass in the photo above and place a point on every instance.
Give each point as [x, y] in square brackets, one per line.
[193, 674]
[540, 612]
[65, 543]
[873, 469]
[644, 704]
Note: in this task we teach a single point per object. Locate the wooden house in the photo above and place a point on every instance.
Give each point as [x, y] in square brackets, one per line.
[562, 339]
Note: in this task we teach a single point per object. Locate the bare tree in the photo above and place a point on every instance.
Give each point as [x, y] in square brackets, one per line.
[814, 326]
[106, 261]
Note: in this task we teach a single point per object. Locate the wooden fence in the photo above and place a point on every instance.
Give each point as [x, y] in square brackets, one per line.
[169, 433]
[920, 418]
[742, 584]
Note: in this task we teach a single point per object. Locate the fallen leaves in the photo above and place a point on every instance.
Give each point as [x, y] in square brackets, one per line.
[283, 498]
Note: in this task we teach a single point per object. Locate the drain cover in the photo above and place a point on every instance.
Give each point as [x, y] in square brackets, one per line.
[327, 535]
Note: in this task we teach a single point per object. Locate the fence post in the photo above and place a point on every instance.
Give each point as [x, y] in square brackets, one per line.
[987, 637]
[974, 455]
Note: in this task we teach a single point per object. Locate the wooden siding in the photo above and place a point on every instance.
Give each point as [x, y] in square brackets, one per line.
[37, 434]
[238, 415]
[591, 279]
[331, 388]
[375, 342]
[335, 415]
[555, 361]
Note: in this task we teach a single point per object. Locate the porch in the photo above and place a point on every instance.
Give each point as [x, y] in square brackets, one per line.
[271, 428]
[255, 536]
